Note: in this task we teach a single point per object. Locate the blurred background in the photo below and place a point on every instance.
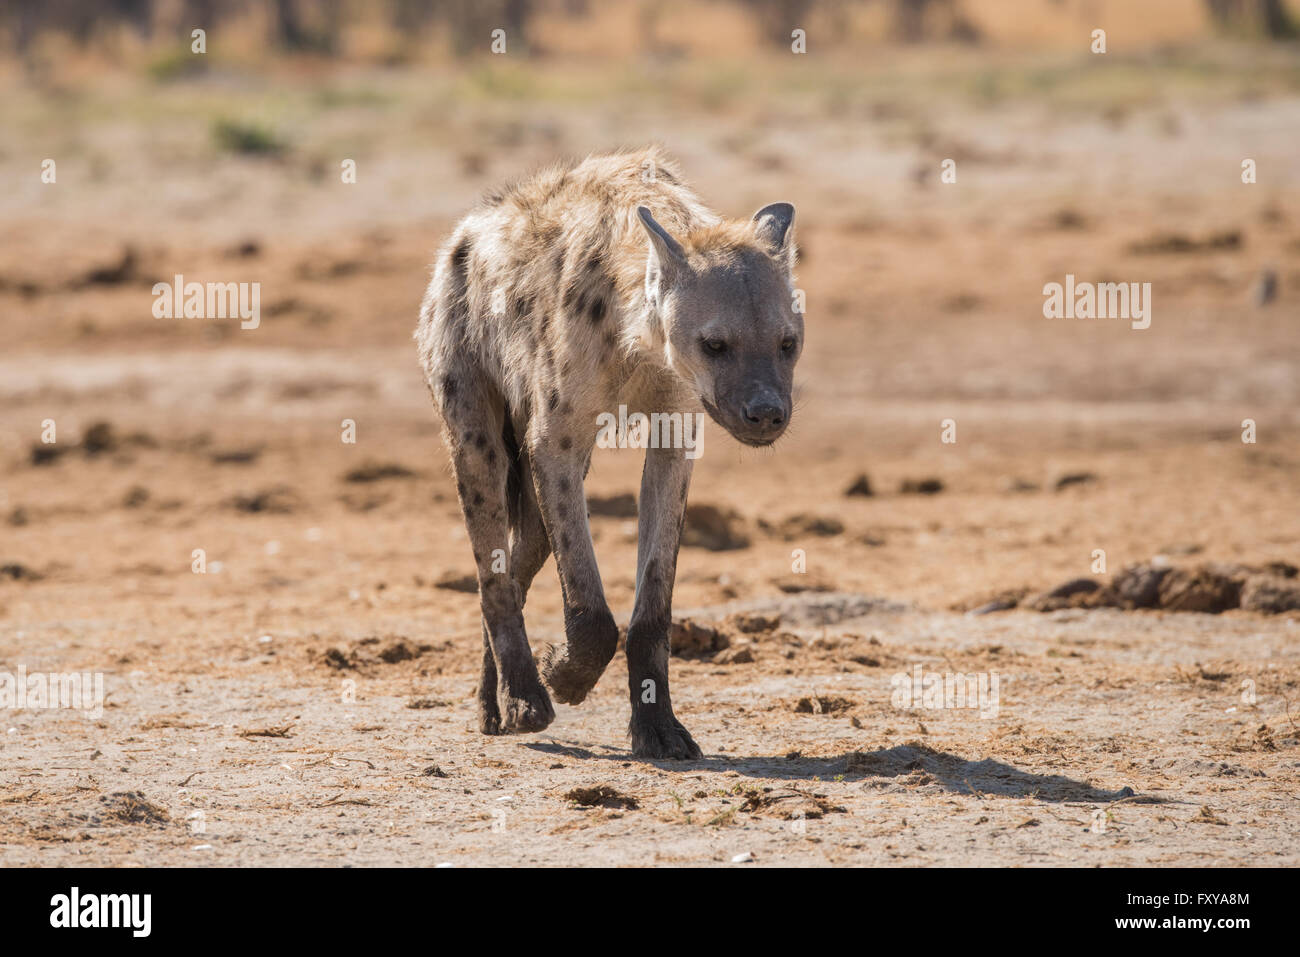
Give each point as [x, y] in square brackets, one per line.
[924, 297]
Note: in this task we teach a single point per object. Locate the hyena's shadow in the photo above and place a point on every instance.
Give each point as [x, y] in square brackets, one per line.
[920, 765]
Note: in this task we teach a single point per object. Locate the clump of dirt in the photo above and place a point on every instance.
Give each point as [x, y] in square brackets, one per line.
[99, 438]
[402, 650]
[1176, 243]
[235, 456]
[455, 581]
[735, 655]
[717, 643]
[17, 571]
[271, 731]
[135, 497]
[790, 804]
[123, 270]
[361, 655]
[620, 505]
[1074, 478]
[1066, 595]
[244, 249]
[690, 639]
[804, 526]
[340, 660]
[1201, 674]
[713, 528]
[131, 807]
[861, 486]
[1003, 600]
[1135, 586]
[1210, 588]
[602, 796]
[822, 704]
[925, 486]
[796, 582]
[425, 704]
[1068, 219]
[752, 623]
[47, 453]
[364, 503]
[378, 471]
[1270, 595]
[1207, 816]
[1199, 590]
[278, 499]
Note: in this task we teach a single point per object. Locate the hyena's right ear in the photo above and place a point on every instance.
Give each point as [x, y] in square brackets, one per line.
[666, 256]
[772, 226]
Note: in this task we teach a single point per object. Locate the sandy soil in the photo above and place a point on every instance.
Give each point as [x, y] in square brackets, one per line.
[310, 698]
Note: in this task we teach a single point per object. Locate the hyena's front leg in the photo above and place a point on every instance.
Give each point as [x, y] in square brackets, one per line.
[654, 729]
[591, 635]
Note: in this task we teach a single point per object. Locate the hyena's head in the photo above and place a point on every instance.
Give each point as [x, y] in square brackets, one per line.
[724, 299]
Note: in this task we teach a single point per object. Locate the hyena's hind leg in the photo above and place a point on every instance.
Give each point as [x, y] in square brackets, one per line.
[474, 414]
[529, 549]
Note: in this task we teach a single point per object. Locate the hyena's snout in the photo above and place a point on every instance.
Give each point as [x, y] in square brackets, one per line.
[766, 413]
[760, 415]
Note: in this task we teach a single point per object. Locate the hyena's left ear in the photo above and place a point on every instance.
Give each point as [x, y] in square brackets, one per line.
[772, 226]
[666, 260]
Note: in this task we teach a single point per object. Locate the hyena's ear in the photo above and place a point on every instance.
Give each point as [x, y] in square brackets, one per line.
[666, 254]
[772, 227]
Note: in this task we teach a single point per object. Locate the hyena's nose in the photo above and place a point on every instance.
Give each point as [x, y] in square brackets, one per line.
[764, 414]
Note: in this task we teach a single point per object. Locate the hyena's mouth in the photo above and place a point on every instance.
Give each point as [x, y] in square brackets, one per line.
[716, 414]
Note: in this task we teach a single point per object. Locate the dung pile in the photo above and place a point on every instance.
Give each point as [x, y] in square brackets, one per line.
[1211, 588]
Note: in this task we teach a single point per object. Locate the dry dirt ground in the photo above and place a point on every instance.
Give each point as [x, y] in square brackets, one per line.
[310, 698]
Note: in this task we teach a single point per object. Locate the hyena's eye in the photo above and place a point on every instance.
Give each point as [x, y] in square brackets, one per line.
[714, 347]
[787, 345]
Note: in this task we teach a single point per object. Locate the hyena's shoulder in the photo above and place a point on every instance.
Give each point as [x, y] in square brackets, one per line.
[555, 262]
[590, 204]
[566, 239]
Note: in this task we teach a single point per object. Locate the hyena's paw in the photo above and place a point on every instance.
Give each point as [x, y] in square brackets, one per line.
[662, 738]
[524, 708]
[489, 717]
[569, 680]
[573, 669]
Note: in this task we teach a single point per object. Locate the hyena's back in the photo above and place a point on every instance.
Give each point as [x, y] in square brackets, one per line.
[537, 284]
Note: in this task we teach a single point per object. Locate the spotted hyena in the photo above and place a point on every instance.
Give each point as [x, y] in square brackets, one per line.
[554, 302]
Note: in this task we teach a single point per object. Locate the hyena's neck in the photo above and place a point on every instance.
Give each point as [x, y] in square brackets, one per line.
[641, 332]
